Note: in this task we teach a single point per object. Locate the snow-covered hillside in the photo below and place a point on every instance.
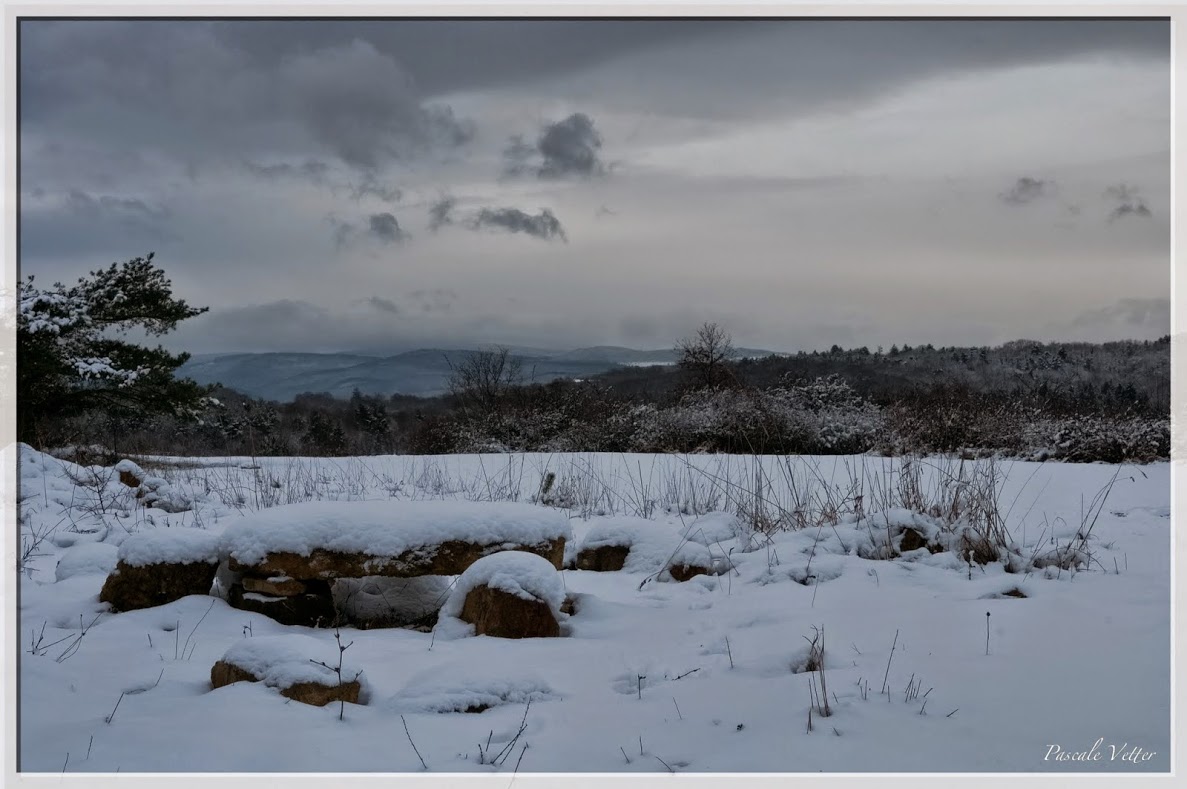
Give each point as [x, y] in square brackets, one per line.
[931, 662]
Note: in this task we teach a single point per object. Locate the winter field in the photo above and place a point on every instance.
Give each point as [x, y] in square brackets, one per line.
[823, 643]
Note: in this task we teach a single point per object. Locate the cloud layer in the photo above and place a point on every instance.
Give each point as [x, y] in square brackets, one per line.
[802, 182]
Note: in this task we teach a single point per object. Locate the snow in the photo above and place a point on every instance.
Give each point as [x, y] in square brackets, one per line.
[715, 527]
[522, 574]
[388, 528]
[170, 546]
[85, 558]
[130, 467]
[653, 547]
[460, 688]
[1084, 656]
[283, 661]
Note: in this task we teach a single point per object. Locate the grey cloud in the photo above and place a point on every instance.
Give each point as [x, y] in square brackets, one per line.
[568, 147]
[83, 222]
[121, 209]
[1026, 190]
[343, 232]
[544, 225]
[319, 173]
[440, 213]
[1127, 202]
[1135, 208]
[285, 324]
[639, 328]
[185, 90]
[384, 305]
[526, 51]
[370, 187]
[516, 155]
[435, 299]
[385, 227]
[361, 104]
[1145, 317]
[310, 170]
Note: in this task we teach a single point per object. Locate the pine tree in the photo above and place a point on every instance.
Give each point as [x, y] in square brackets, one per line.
[73, 358]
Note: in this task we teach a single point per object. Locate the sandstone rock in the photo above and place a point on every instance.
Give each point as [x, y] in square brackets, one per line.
[494, 612]
[607, 558]
[448, 558]
[570, 605]
[414, 603]
[315, 693]
[145, 586]
[682, 572]
[912, 541]
[278, 586]
[312, 609]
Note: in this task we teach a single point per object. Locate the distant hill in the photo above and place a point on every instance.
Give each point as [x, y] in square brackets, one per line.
[424, 372]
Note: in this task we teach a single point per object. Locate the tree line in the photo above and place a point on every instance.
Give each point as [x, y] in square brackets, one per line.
[83, 383]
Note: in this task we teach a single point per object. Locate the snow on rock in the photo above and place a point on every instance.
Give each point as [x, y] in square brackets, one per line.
[715, 527]
[388, 528]
[283, 661]
[130, 467]
[468, 688]
[653, 546]
[88, 558]
[522, 574]
[170, 546]
[129, 473]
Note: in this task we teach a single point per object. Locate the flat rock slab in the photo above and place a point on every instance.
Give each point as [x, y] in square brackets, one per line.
[314, 609]
[276, 587]
[130, 587]
[352, 539]
[447, 558]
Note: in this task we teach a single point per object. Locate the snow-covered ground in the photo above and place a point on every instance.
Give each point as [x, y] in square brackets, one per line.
[651, 675]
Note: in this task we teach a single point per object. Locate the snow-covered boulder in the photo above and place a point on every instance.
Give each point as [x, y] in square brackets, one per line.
[293, 665]
[645, 547]
[512, 594]
[130, 473]
[716, 527]
[356, 539]
[159, 566]
[88, 558]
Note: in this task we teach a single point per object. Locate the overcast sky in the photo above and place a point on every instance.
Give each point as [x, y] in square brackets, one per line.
[379, 186]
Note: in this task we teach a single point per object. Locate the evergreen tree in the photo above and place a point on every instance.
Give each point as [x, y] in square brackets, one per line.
[73, 357]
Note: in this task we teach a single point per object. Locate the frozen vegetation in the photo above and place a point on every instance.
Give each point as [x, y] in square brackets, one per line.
[862, 614]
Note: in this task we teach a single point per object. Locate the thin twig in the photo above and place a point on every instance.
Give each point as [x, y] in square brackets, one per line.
[414, 748]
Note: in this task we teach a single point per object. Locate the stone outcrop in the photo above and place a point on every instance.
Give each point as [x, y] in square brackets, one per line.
[311, 607]
[315, 693]
[604, 559]
[132, 587]
[446, 558]
[494, 612]
[683, 572]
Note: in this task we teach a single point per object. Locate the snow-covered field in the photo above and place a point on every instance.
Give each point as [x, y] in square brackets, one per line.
[709, 675]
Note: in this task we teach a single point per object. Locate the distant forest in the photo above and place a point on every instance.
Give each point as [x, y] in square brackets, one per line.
[1070, 401]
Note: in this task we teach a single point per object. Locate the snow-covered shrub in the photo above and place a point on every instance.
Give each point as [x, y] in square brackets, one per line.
[1094, 437]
